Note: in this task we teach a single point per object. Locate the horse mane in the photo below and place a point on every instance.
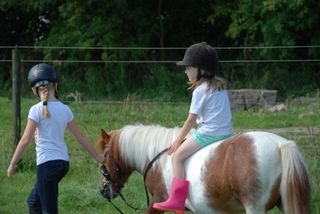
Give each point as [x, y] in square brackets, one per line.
[140, 143]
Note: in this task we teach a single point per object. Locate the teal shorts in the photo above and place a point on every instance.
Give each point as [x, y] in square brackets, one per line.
[203, 140]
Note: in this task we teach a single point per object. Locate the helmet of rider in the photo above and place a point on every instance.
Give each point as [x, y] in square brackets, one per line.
[203, 56]
[42, 74]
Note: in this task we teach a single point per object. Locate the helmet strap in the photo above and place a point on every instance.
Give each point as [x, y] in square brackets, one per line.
[56, 87]
[56, 94]
[37, 91]
[199, 74]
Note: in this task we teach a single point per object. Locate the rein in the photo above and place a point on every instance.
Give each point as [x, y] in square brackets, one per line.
[149, 167]
[147, 170]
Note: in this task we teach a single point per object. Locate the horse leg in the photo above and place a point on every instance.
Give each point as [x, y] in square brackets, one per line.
[257, 181]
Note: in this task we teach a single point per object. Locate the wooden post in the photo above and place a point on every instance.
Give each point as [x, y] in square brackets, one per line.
[16, 91]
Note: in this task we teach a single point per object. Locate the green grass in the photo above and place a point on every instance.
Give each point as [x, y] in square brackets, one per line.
[79, 189]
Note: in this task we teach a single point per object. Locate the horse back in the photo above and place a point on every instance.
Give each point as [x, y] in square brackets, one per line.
[231, 172]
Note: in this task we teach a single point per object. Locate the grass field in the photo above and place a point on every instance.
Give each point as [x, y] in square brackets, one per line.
[79, 189]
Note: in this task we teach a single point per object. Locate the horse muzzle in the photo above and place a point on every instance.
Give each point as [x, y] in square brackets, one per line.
[107, 191]
[108, 184]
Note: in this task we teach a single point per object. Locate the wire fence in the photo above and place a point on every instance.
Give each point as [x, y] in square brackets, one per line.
[165, 61]
[308, 60]
[160, 48]
[95, 84]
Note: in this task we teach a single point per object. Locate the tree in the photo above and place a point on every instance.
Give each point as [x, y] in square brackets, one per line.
[274, 23]
[163, 23]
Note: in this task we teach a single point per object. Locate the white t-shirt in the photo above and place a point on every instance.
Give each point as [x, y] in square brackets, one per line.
[49, 135]
[212, 109]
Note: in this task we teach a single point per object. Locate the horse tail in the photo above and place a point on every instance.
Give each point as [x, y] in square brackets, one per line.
[295, 185]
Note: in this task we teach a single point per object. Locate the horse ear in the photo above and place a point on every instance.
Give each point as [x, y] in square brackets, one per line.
[100, 144]
[104, 134]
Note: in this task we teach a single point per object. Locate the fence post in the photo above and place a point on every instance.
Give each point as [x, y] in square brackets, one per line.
[16, 91]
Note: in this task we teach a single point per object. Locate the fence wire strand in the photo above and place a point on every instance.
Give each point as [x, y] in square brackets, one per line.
[160, 48]
[316, 60]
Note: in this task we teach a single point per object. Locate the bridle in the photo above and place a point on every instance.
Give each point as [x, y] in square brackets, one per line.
[109, 182]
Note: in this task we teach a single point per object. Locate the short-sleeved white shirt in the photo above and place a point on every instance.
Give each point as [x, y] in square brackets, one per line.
[49, 135]
[212, 109]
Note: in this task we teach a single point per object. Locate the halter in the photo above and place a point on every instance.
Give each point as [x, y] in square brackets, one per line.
[109, 182]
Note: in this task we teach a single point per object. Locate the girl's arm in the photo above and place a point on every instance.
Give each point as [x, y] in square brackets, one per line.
[187, 126]
[22, 146]
[84, 141]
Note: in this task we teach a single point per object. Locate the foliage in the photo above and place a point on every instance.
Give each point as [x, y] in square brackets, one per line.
[244, 23]
[273, 23]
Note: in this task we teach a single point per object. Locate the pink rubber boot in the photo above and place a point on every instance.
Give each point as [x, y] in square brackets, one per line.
[177, 197]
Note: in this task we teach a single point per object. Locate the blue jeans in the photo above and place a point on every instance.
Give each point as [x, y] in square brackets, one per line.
[43, 198]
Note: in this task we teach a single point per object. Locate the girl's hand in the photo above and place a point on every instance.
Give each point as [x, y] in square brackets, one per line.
[187, 126]
[173, 147]
[10, 171]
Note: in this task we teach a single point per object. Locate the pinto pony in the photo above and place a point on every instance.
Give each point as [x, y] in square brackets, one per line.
[251, 172]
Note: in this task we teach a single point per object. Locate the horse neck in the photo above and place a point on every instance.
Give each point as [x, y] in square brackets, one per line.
[139, 144]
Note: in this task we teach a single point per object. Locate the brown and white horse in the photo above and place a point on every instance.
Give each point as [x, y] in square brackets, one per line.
[251, 172]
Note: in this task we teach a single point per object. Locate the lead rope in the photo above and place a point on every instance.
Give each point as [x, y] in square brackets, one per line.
[115, 206]
[125, 201]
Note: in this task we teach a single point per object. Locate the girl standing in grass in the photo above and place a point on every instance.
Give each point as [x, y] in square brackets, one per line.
[209, 108]
[47, 121]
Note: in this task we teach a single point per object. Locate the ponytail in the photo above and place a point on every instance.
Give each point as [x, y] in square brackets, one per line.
[218, 83]
[214, 82]
[43, 94]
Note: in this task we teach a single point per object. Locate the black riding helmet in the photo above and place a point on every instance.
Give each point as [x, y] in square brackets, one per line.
[42, 72]
[203, 56]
